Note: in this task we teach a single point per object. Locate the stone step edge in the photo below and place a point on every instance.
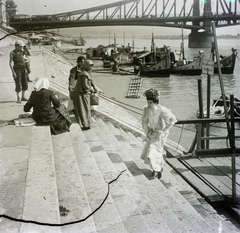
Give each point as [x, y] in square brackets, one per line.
[125, 124]
[95, 195]
[127, 152]
[69, 179]
[41, 184]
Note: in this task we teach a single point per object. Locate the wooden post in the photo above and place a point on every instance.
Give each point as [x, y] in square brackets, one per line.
[221, 82]
[208, 108]
[200, 126]
[233, 147]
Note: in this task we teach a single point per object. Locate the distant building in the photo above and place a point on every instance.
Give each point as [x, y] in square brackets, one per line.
[122, 58]
[95, 52]
[11, 9]
[3, 19]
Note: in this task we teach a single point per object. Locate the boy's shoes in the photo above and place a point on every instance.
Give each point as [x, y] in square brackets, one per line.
[24, 99]
[86, 128]
[18, 101]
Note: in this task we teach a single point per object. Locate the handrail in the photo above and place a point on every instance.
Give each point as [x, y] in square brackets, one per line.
[205, 120]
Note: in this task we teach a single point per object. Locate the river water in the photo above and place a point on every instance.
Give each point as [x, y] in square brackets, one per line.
[178, 93]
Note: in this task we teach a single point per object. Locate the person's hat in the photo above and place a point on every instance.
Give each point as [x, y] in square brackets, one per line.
[19, 42]
[87, 64]
[90, 63]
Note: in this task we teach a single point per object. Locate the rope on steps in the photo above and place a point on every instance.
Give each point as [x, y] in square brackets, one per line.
[67, 223]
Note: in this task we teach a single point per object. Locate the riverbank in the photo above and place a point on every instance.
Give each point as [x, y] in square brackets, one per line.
[66, 176]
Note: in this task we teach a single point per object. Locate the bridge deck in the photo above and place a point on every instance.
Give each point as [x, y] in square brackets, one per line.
[187, 14]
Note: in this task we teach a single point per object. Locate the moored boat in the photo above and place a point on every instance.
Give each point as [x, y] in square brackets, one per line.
[182, 65]
[227, 63]
[217, 108]
[187, 67]
[155, 63]
[159, 68]
[79, 41]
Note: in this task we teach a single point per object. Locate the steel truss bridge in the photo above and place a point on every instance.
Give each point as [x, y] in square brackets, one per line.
[189, 14]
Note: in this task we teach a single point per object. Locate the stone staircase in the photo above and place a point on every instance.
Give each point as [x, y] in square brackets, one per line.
[64, 178]
[55, 66]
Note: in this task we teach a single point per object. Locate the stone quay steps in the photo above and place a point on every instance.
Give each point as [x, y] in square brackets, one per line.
[132, 196]
[184, 196]
[63, 178]
[28, 180]
[55, 65]
[161, 196]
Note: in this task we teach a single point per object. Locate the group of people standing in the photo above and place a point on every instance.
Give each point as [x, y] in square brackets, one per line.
[47, 109]
[81, 86]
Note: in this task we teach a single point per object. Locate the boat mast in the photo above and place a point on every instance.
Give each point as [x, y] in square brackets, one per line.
[153, 48]
[115, 45]
[133, 44]
[182, 45]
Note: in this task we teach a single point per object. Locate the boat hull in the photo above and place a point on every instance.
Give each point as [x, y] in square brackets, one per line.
[155, 73]
[156, 63]
[187, 72]
[155, 70]
[227, 63]
[217, 108]
[185, 67]
[160, 68]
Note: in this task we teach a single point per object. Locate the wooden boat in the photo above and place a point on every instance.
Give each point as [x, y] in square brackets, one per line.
[227, 63]
[217, 108]
[80, 41]
[155, 63]
[187, 67]
[124, 71]
[194, 67]
[182, 65]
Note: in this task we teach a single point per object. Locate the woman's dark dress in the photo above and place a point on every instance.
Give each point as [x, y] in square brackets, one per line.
[43, 112]
[81, 100]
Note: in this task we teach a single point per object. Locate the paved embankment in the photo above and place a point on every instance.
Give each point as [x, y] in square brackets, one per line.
[64, 178]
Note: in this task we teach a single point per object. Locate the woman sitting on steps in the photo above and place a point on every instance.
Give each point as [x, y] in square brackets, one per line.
[41, 100]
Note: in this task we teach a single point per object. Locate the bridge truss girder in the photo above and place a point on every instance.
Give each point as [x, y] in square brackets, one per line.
[166, 13]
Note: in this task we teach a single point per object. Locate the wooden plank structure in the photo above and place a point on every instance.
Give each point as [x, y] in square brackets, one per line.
[134, 88]
[213, 172]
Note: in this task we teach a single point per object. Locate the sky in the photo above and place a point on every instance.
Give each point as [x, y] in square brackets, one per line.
[33, 7]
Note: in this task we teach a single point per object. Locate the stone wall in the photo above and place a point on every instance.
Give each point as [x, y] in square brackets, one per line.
[8, 40]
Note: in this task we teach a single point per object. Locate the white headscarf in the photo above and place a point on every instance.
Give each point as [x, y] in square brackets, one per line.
[41, 83]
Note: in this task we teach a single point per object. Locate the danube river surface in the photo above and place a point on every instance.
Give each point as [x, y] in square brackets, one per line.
[179, 93]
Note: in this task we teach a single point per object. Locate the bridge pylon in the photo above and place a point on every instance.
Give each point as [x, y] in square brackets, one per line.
[200, 39]
[197, 39]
